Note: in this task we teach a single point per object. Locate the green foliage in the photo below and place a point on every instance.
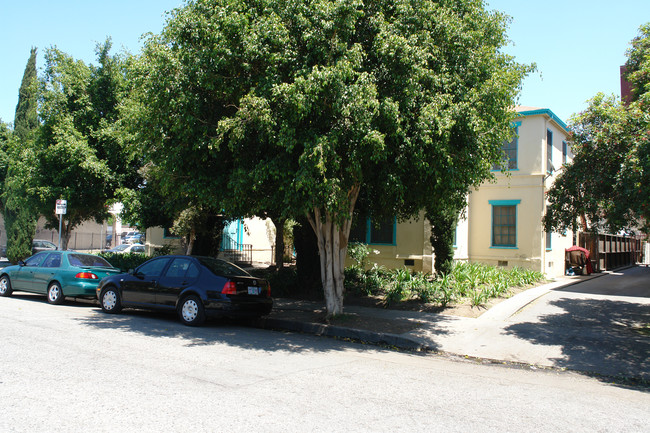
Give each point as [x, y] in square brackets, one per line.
[19, 157]
[26, 118]
[125, 262]
[359, 252]
[638, 65]
[292, 107]
[20, 233]
[443, 222]
[473, 281]
[81, 154]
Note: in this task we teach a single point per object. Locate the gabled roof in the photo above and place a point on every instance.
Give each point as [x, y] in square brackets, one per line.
[532, 111]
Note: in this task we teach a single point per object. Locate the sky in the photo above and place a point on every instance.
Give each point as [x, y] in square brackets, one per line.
[577, 45]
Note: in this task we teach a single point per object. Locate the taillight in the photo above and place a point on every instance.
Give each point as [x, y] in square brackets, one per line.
[87, 276]
[229, 288]
[268, 290]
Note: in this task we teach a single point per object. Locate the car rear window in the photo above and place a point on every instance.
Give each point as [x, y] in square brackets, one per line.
[223, 268]
[87, 260]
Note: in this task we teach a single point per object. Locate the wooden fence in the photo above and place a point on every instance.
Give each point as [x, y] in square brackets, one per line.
[612, 251]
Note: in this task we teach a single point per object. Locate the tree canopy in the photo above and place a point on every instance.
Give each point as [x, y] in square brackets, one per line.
[81, 155]
[299, 107]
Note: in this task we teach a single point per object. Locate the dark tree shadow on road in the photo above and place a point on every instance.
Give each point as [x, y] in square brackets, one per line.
[604, 338]
[234, 332]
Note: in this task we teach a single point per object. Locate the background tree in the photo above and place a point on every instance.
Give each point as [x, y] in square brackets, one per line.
[302, 106]
[20, 214]
[606, 186]
[82, 155]
[636, 171]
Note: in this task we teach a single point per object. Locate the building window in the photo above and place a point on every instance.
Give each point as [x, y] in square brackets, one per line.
[548, 240]
[372, 233]
[504, 223]
[564, 152]
[509, 152]
[549, 151]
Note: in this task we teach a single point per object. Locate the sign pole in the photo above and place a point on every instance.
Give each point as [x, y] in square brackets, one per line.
[61, 209]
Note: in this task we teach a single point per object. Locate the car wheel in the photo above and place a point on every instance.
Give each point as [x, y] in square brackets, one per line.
[55, 294]
[5, 286]
[191, 311]
[110, 300]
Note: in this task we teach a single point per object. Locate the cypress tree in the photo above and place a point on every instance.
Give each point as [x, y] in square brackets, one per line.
[20, 218]
[26, 117]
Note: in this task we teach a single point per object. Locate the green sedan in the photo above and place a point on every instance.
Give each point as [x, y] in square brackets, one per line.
[56, 274]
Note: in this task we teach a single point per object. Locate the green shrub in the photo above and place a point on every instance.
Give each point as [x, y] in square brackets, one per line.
[359, 252]
[125, 262]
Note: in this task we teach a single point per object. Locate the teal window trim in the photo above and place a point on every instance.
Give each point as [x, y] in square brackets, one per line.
[240, 234]
[504, 202]
[549, 150]
[565, 152]
[363, 232]
[455, 245]
[369, 233]
[547, 112]
[514, 203]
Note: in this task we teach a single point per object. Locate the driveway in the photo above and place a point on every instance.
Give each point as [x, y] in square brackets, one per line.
[600, 326]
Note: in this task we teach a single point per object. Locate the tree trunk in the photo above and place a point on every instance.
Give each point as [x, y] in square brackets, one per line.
[333, 248]
[190, 241]
[307, 258]
[65, 235]
[279, 243]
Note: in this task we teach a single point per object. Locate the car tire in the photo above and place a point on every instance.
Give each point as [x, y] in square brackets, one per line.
[5, 286]
[110, 300]
[191, 311]
[55, 294]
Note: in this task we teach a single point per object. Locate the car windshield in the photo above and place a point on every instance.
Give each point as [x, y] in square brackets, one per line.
[87, 260]
[223, 268]
[121, 247]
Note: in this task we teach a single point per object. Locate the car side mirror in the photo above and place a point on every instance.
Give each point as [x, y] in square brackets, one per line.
[21, 263]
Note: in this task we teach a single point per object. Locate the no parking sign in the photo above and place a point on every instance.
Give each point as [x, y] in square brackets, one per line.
[61, 207]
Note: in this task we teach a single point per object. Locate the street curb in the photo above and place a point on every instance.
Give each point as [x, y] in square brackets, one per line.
[394, 341]
[321, 329]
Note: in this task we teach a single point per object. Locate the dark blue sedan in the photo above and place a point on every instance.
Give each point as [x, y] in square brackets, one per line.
[194, 287]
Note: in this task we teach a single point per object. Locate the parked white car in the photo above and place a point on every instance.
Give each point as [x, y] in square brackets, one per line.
[127, 248]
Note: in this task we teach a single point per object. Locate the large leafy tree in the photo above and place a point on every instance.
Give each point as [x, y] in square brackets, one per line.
[606, 186]
[82, 155]
[298, 107]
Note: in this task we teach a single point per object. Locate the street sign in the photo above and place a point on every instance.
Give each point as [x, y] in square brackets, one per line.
[61, 207]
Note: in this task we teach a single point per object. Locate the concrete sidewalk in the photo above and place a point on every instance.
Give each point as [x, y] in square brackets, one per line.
[504, 333]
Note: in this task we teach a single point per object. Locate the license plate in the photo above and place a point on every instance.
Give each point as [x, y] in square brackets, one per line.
[253, 290]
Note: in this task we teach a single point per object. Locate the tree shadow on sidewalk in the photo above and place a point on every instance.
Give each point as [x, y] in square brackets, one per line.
[603, 338]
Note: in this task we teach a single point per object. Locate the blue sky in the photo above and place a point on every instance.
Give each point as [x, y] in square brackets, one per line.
[578, 45]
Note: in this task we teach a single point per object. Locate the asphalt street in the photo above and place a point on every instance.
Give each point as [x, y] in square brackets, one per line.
[72, 368]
